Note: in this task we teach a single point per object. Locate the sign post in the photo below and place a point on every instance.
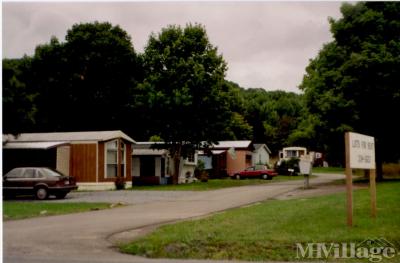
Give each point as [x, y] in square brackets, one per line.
[360, 154]
[349, 182]
[372, 188]
[305, 165]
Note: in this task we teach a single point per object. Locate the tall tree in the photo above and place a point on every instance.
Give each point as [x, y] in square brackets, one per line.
[87, 82]
[49, 69]
[184, 87]
[352, 85]
[19, 108]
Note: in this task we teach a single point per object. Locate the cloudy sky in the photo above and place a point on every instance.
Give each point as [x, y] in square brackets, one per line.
[266, 44]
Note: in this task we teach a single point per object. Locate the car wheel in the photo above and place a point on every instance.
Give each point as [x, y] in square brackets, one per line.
[264, 176]
[61, 195]
[41, 193]
[237, 176]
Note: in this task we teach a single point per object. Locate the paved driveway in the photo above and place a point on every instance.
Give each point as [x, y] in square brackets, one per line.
[128, 197]
[86, 237]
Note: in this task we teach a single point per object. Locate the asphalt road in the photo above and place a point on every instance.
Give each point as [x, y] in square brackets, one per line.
[91, 236]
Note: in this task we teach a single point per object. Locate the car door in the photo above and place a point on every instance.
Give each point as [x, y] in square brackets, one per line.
[255, 172]
[250, 171]
[27, 180]
[19, 180]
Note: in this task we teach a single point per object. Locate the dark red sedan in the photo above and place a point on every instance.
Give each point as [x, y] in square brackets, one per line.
[38, 181]
[258, 171]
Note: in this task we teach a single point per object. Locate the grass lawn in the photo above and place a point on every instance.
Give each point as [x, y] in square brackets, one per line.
[270, 230]
[335, 170]
[213, 184]
[21, 210]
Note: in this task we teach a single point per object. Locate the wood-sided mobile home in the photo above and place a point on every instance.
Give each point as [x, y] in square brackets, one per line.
[92, 157]
[228, 157]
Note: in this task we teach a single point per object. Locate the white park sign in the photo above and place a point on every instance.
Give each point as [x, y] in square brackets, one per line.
[360, 154]
[362, 151]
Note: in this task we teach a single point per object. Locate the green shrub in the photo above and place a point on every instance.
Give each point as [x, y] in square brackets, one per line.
[391, 169]
[120, 183]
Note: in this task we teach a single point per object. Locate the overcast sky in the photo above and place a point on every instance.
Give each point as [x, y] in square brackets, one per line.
[266, 44]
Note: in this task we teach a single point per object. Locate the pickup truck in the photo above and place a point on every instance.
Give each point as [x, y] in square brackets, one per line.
[258, 171]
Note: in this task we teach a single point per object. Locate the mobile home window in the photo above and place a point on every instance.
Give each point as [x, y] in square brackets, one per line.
[123, 148]
[112, 159]
[190, 157]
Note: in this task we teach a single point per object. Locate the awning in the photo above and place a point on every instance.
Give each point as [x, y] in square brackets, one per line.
[214, 152]
[33, 145]
[218, 151]
[154, 152]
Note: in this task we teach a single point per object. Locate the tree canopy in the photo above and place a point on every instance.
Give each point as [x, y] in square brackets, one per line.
[184, 86]
[352, 85]
[84, 83]
[19, 109]
[274, 115]
[175, 90]
[184, 89]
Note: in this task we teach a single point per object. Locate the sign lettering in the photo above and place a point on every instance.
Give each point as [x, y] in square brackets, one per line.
[362, 151]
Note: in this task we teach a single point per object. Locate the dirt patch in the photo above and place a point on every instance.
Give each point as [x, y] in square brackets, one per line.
[129, 235]
[317, 190]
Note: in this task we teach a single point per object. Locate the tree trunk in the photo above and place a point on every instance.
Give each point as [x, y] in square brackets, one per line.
[379, 163]
[177, 164]
[379, 170]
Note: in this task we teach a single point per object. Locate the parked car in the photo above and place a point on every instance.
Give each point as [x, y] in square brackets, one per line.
[38, 181]
[258, 171]
[288, 167]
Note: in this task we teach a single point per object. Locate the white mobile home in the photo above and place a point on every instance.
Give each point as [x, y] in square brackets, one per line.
[292, 152]
[155, 166]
